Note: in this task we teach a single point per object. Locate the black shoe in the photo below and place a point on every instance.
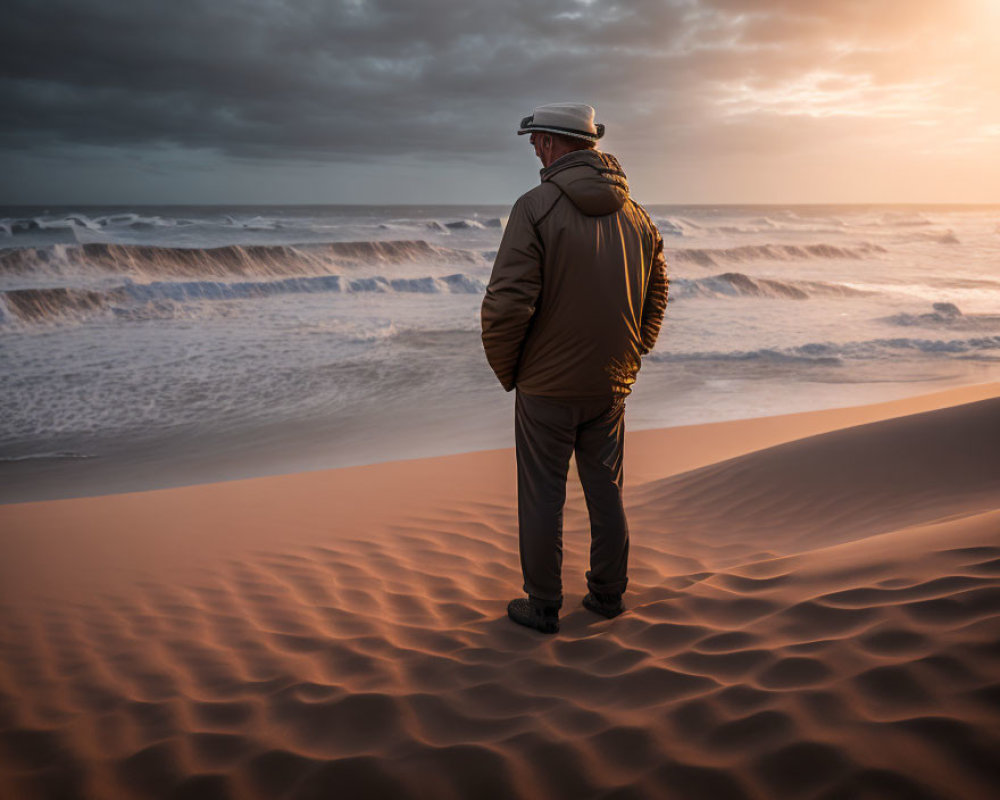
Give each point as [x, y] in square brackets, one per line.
[525, 611]
[607, 605]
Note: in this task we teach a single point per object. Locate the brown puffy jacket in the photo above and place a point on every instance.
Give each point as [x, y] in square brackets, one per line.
[579, 285]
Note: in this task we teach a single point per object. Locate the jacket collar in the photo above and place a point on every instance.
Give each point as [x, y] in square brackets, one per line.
[595, 159]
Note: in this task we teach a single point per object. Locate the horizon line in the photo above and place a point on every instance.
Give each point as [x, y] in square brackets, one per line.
[983, 204]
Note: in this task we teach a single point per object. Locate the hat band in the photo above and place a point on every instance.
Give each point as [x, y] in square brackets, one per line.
[527, 126]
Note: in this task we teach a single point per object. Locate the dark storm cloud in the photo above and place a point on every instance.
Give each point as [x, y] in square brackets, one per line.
[680, 83]
[279, 79]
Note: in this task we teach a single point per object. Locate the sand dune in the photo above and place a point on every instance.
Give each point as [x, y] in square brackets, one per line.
[845, 484]
[819, 618]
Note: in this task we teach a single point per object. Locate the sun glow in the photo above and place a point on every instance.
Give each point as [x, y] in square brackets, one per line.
[828, 94]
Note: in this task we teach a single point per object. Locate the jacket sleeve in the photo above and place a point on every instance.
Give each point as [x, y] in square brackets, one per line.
[512, 294]
[655, 304]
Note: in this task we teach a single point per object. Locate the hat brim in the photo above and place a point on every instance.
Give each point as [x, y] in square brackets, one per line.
[527, 127]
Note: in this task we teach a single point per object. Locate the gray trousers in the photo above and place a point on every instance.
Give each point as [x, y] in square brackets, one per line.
[547, 431]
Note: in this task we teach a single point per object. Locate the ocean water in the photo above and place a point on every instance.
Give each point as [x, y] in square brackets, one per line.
[149, 347]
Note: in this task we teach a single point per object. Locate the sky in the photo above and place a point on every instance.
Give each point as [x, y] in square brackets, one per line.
[418, 101]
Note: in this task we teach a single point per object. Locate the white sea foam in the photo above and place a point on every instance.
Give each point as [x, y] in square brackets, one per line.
[713, 257]
[828, 353]
[737, 284]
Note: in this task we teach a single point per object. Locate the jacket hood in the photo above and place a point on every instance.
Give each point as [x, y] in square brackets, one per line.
[593, 181]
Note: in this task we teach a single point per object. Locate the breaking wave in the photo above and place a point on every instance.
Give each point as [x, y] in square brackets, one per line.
[834, 354]
[683, 226]
[902, 219]
[109, 224]
[938, 237]
[946, 315]
[13, 227]
[673, 227]
[157, 299]
[466, 224]
[163, 298]
[221, 262]
[713, 257]
[736, 284]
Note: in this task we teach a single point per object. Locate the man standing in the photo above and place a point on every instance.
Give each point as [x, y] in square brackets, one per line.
[577, 296]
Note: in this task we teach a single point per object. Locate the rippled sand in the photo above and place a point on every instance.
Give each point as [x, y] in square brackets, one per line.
[814, 618]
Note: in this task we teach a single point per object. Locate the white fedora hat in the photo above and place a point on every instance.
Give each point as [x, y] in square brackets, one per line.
[568, 119]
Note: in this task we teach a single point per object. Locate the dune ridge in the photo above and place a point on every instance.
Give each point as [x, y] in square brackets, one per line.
[814, 619]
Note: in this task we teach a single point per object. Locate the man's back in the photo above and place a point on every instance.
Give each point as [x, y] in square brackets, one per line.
[577, 296]
[579, 284]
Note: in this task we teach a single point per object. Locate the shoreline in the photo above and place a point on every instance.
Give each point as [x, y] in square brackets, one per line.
[31, 480]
